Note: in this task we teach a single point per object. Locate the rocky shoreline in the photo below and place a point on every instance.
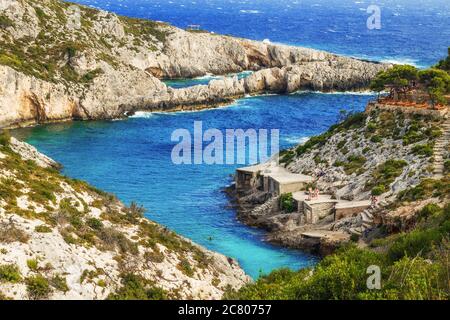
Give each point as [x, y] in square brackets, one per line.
[275, 223]
[345, 166]
[116, 70]
[63, 239]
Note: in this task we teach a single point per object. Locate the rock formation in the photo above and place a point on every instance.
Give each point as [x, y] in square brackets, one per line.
[60, 61]
[62, 239]
[387, 152]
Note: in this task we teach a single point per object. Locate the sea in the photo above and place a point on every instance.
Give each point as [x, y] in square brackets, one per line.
[132, 158]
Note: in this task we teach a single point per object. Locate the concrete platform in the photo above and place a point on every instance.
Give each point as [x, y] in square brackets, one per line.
[321, 234]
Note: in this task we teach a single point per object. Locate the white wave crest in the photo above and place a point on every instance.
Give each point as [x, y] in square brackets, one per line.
[250, 11]
[296, 140]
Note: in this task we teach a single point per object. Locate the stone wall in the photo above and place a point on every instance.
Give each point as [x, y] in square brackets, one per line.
[410, 110]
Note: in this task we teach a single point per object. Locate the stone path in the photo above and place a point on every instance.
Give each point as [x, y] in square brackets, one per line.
[366, 218]
[440, 150]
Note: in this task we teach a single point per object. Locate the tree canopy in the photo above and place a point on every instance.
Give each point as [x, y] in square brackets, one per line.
[445, 63]
[398, 79]
[401, 79]
[437, 84]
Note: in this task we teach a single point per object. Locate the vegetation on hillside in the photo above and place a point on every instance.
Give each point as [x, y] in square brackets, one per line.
[413, 265]
[402, 79]
[50, 56]
[414, 262]
[70, 216]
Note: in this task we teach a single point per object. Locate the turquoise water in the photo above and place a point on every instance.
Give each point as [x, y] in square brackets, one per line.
[184, 83]
[131, 158]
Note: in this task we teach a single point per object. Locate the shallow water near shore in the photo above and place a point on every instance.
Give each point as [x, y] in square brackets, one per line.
[132, 159]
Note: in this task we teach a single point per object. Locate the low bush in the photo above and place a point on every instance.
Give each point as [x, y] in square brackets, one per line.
[134, 212]
[33, 264]
[43, 229]
[135, 287]
[38, 287]
[10, 273]
[378, 190]
[5, 138]
[59, 283]
[447, 166]
[94, 223]
[287, 202]
[113, 239]
[427, 188]
[10, 233]
[423, 149]
[354, 164]
[386, 173]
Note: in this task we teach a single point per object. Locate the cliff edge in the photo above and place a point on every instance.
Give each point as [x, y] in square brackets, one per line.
[61, 61]
[63, 239]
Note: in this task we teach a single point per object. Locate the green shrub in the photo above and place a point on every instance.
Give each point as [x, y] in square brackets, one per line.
[371, 127]
[59, 283]
[43, 229]
[376, 139]
[378, 190]
[344, 150]
[423, 150]
[413, 243]
[94, 223]
[426, 189]
[343, 275]
[5, 22]
[287, 202]
[313, 142]
[185, 267]
[33, 264]
[286, 156]
[134, 212]
[10, 273]
[101, 283]
[91, 75]
[339, 276]
[38, 287]
[354, 163]
[386, 173]
[113, 239]
[447, 166]
[430, 210]
[135, 287]
[5, 138]
[341, 144]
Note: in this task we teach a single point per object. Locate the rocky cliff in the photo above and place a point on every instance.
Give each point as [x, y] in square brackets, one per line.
[398, 154]
[63, 239]
[60, 61]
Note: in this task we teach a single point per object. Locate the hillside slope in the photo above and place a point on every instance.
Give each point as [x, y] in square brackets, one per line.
[394, 153]
[383, 153]
[62, 239]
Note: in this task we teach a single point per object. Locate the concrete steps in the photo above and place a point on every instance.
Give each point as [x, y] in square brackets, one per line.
[439, 150]
[367, 218]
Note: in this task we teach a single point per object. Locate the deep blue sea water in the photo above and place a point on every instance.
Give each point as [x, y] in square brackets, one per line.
[416, 32]
[131, 158]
